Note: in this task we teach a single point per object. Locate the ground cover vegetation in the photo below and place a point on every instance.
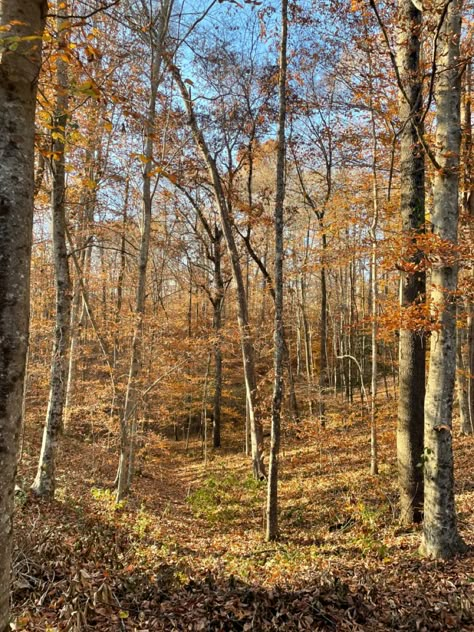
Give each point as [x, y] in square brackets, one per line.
[236, 315]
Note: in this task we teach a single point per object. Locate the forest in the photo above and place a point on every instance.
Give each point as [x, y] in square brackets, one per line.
[236, 315]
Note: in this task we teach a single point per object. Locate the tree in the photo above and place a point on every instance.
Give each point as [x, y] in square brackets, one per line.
[465, 332]
[45, 481]
[279, 334]
[412, 277]
[20, 58]
[440, 534]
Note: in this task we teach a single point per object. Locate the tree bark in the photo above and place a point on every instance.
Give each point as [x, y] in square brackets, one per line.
[440, 533]
[279, 334]
[412, 343]
[462, 379]
[218, 301]
[45, 481]
[467, 357]
[19, 68]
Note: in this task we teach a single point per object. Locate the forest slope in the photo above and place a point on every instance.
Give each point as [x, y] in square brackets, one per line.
[186, 551]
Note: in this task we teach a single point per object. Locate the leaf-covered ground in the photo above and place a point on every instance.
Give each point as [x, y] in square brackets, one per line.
[186, 552]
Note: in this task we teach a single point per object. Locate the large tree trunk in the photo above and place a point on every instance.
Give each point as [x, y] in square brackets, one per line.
[412, 284]
[45, 481]
[19, 70]
[279, 333]
[440, 534]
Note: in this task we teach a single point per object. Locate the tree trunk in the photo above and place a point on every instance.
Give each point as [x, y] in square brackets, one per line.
[217, 325]
[462, 381]
[45, 481]
[440, 534]
[374, 465]
[279, 335]
[467, 419]
[323, 373]
[19, 70]
[121, 275]
[412, 343]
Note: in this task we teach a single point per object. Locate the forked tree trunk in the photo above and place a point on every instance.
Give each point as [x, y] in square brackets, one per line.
[412, 284]
[19, 68]
[440, 533]
[45, 481]
[279, 334]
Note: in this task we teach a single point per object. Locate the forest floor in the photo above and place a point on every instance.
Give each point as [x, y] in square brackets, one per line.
[186, 550]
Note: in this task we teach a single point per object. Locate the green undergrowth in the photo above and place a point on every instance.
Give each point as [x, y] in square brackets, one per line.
[225, 497]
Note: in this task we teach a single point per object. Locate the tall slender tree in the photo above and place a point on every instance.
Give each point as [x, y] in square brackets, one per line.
[45, 481]
[279, 334]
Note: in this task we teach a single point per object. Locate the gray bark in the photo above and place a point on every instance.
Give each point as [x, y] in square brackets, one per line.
[462, 379]
[412, 284]
[45, 481]
[440, 534]
[466, 351]
[279, 334]
[19, 68]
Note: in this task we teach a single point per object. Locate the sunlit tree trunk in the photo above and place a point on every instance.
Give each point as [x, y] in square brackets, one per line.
[440, 533]
[19, 70]
[412, 284]
[45, 481]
